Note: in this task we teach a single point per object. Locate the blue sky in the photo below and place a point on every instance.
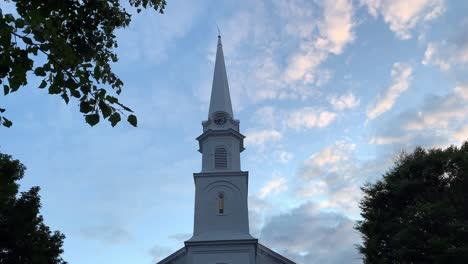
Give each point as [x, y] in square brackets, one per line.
[328, 93]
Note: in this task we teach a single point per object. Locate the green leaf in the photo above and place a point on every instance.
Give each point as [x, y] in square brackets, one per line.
[2, 110]
[9, 18]
[97, 72]
[132, 119]
[114, 118]
[6, 89]
[39, 71]
[111, 99]
[75, 93]
[85, 88]
[65, 98]
[27, 40]
[54, 89]
[92, 119]
[43, 84]
[105, 109]
[19, 23]
[85, 107]
[6, 122]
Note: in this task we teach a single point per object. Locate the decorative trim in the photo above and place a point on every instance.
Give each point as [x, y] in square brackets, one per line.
[220, 133]
[221, 242]
[221, 173]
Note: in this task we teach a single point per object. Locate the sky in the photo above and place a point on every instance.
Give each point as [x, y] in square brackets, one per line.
[328, 94]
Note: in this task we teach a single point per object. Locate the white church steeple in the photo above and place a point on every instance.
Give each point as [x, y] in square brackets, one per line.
[221, 187]
[220, 98]
[221, 142]
[221, 222]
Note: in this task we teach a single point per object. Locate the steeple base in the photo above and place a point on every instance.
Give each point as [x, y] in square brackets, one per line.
[226, 252]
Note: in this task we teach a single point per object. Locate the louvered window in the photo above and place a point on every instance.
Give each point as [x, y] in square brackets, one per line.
[220, 158]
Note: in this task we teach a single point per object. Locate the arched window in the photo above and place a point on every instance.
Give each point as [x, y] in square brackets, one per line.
[220, 203]
[220, 158]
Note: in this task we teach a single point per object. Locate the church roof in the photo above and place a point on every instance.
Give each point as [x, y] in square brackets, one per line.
[220, 98]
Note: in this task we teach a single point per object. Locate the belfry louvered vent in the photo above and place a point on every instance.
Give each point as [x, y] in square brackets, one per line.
[220, 158]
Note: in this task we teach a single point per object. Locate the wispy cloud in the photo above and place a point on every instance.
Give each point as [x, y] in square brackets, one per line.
[441, 112]
[150, 35]
[309, 117]
[461, 134]
[437, 123]
[337, 29]
[402, 15]
[107, 233]
[329, 157]
[273, 186]
[297, 118]
[446, 54]
[284, 156]
[330, 239]
[345, 101]
[385, 140]
[159, 252]
[291, 69]
[260, 137]
[401, 74]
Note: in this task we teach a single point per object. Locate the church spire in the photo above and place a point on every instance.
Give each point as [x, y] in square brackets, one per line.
[220, 98]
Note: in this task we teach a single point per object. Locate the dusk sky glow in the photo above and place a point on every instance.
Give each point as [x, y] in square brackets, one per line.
[328, 93]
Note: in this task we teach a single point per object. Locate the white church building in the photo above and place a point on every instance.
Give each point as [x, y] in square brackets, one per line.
[221, 223]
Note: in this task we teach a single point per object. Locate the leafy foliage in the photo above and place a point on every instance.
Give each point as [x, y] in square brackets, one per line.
[418, 212]
[76, 38]
[24, 236]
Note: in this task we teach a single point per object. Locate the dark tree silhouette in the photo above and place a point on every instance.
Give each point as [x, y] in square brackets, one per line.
[24, 238]
[418, 212]
[72, 42]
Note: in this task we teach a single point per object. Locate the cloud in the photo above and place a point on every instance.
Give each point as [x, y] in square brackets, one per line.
[332, 177]
[441, 112]
[308, 117]
[316, 188]
[298, 118]
[337, 28]
[265, 116]
[159, 252]
[403, 15]
[284, 156]
[110, 234]
[180, 237]
[309, 235]
[345, 101]
[461, 91]
[401, 74]
[261, 137]
[385, 140]
[448, 53]
[462, 134]
[150, 35]
[439, 122]
[302, 66]
[289, 52]
[329, 157]
[274, 186]
[335, 32]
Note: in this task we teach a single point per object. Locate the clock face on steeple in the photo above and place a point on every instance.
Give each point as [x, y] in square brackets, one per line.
[220, 118]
